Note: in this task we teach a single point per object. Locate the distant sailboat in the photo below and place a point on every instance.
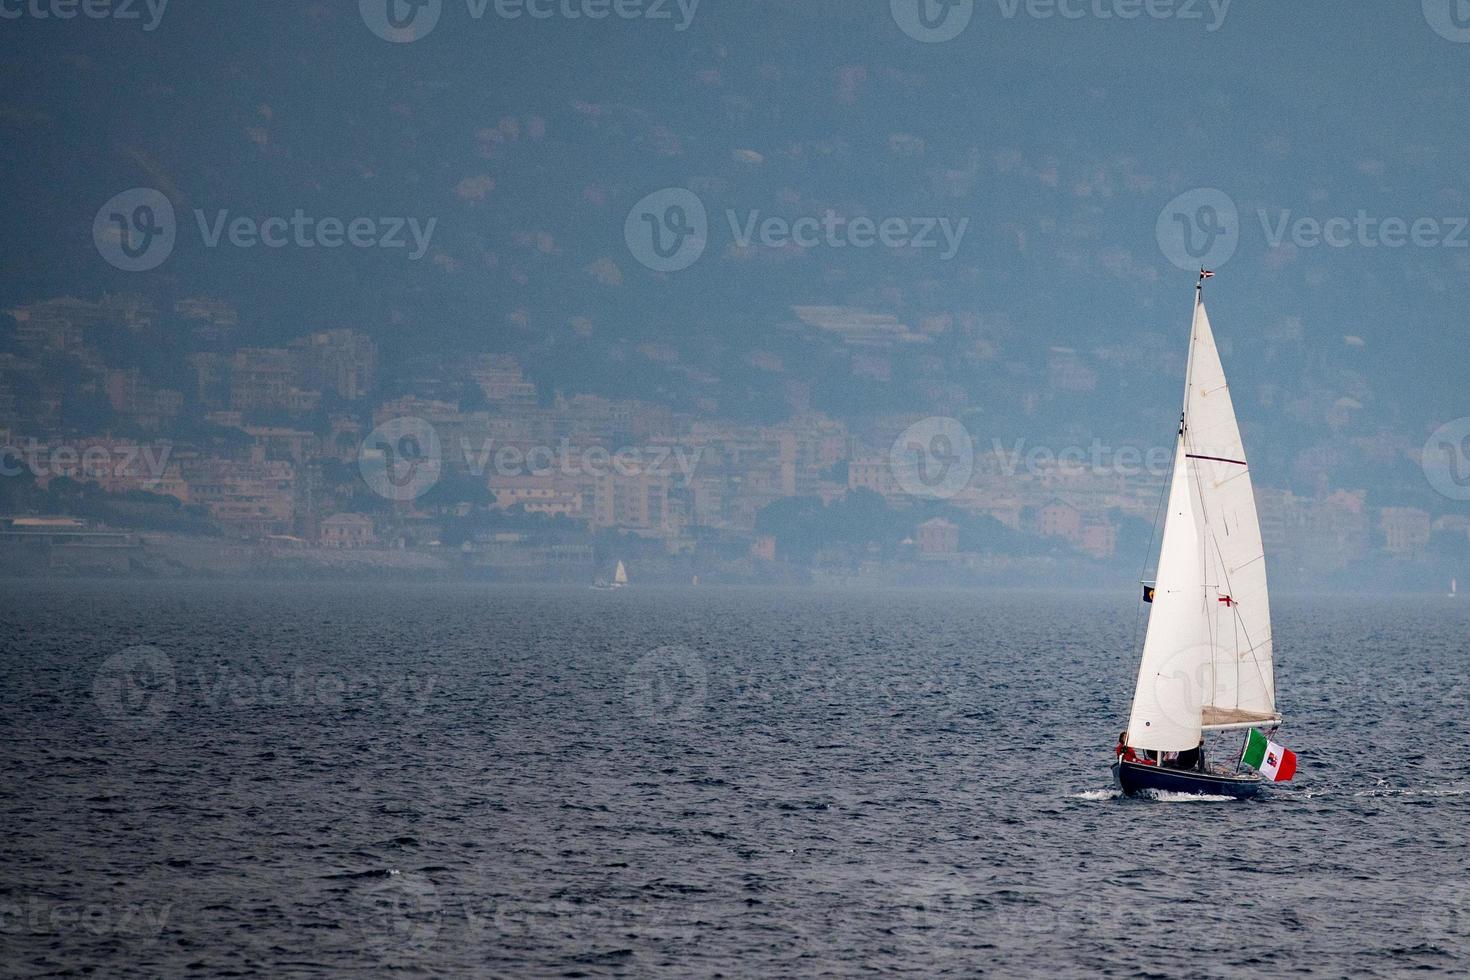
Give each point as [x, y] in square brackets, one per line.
[619, 580]
[1454, 588]
[1207, 654]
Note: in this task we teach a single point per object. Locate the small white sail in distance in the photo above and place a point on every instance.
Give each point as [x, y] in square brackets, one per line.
[620, 577]
[1207, 656]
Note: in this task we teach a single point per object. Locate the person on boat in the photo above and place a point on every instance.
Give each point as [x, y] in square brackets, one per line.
[1189, 759]
[1125, 751]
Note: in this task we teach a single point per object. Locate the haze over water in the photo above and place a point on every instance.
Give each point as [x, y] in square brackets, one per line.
[307, 780]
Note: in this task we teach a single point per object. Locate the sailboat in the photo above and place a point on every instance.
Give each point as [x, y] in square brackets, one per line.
[1454, 588]
[1206, 664]
[619, 580]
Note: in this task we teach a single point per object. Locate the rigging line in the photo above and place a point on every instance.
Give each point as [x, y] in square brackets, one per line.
[1238, 627]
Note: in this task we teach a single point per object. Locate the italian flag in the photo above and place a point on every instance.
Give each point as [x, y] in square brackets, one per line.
[1277, 763]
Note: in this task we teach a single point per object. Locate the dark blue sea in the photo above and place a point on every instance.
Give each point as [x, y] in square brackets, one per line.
[299, 780]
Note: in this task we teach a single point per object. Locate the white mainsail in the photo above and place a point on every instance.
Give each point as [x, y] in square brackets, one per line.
[620, 577]
[1207, 655]
[1240, 683]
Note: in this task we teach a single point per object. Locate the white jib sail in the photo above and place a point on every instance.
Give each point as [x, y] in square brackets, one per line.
[1167, 698]
[1239, 682]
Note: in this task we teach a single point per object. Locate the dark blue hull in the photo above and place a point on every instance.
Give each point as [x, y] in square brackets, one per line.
[1134, 778]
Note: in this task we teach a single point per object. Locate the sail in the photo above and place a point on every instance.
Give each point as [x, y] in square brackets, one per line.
[620, 577]
[1239, 683]
[1166, 699]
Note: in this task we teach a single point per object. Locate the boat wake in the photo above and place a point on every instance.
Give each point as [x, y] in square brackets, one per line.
[1169, 796]
[1157, 795]
[1454, 791]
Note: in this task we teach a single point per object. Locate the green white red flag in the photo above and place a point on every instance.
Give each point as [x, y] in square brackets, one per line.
[1276, 762]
